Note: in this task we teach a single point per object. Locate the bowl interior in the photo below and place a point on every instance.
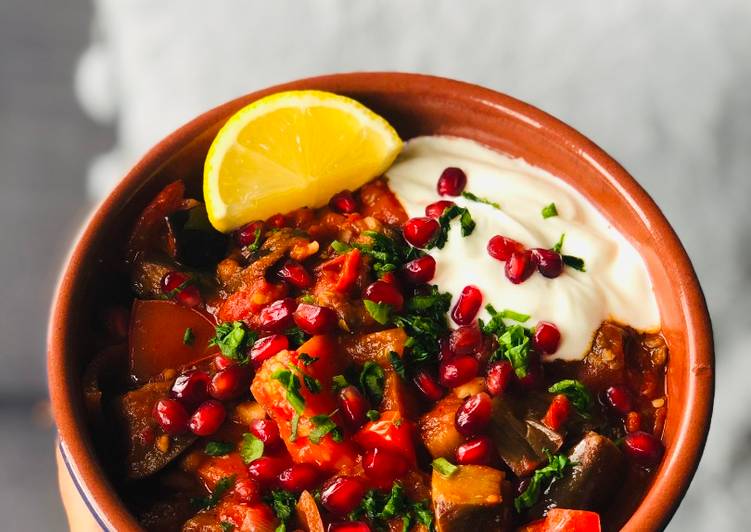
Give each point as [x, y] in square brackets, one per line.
[415, 105]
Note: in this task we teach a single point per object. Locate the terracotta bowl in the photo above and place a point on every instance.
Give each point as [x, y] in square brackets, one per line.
[415, 105]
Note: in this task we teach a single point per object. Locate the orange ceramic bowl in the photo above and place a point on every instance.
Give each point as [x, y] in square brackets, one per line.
[415, 105]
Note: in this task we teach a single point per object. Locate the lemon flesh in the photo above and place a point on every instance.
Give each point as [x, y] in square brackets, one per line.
[290, 150]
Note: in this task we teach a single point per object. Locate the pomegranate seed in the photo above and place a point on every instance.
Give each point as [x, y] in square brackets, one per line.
[246, 235]
[191, 388]
[171, 416]
[452, 182]
[342, 494]
[349, 526]
[436, 209]
[173, 280]
[419, 271]
[353, 406]
[299, 477]
[189, 296]
[383, 467]
[557, 412]
[465, 340]
[267, 347]
[265, 430]
[547, 338]
[382, 292]
[427, 384]
[247, 490]
[458, 371]
[473, 416]
[314, 319]
[643, 448]
[277, 316]
[477, 451]
[230, 383]
[343, 202]
[295, 274]
[222, 362]
[420, 231]
[499, 377]
[501, 248]
[619, 399]
[467, 305]
[278, 221]
[266, 469]
[207, 418]
[519, 266]
[549, 263]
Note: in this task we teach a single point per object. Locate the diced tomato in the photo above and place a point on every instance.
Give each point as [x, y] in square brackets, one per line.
[378, 201]
[152, 219]
[350, 271]
[157, 332]
[214, 468]
[390, 432]
[562, 520]
[557, 413]
[325, 349]
[244, 305]
[256, 517]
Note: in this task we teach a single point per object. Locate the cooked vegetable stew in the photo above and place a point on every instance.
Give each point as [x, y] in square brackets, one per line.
[303, 373]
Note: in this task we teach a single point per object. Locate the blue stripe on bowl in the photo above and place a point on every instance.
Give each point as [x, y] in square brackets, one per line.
[85, 495]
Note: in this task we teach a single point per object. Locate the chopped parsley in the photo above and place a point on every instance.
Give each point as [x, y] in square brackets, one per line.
[373, 415]
[218, 448]
[295, 424]
[558, 246]
[381, 312]
[380, 507]
[251, 448]
[308, 298]
[424, 321]
[388, 254]
[372, 380]
[398, 364]
[256, 244]
[306, 359]
[292, 385]
[221, 487]
[576, 263]
[478, 199]
[465, 221]
[557, 463]
[188, 336]
[311, 383]
[226, 526]
[233, 340]
[338, 382]
[444, 467]
[296, 337]
[548, 211]
[283, 503]
[514, 341]
[324, 425]
[577, 394]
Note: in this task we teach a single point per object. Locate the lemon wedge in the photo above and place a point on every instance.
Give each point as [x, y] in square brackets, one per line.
[290, 150]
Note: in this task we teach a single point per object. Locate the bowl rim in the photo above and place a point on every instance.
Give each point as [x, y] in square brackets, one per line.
[669, 485]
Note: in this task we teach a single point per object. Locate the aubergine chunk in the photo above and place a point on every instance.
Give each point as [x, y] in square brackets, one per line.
[605, 364]
[470, 499]
[147, 273]
[134, 410]
[437, 429]
[520, 443]
[598, 469]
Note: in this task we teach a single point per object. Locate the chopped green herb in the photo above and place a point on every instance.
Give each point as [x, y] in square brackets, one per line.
[283, 503]
[324, 425]
[514, 345]
[233, 340]
[495, 325]
[387, 253]
[398, 364]
[218, 448]
[220, 488]
[478, 199]
[577, 394]
[513, 315]
[423, 514]
[251, 448]
[380, 507]
[311, 383]
[576, 263]
[308, 298]
[306, 359]
[295, 424]
[226, 527]
[188, 336]
[548, 211]
[172, 294]
[373, 415]
[444, 467]
[292, 385]
[381, 312]
[296, 337]
[256, 244]
[558, 246]
[556, 465]
[425, 323]
[372, 380]
[338, 382]
[465, 220]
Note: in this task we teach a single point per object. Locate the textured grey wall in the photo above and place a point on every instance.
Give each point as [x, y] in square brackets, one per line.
[661, 86]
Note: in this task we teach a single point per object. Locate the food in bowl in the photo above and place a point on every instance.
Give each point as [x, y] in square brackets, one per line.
[459, 342]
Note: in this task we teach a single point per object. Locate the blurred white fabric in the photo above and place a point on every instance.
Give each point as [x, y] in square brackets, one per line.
[663, 87]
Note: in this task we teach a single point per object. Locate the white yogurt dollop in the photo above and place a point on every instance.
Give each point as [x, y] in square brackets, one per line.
[615, 285]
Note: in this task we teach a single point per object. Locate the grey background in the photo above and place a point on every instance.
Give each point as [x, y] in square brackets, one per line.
[86, 88]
